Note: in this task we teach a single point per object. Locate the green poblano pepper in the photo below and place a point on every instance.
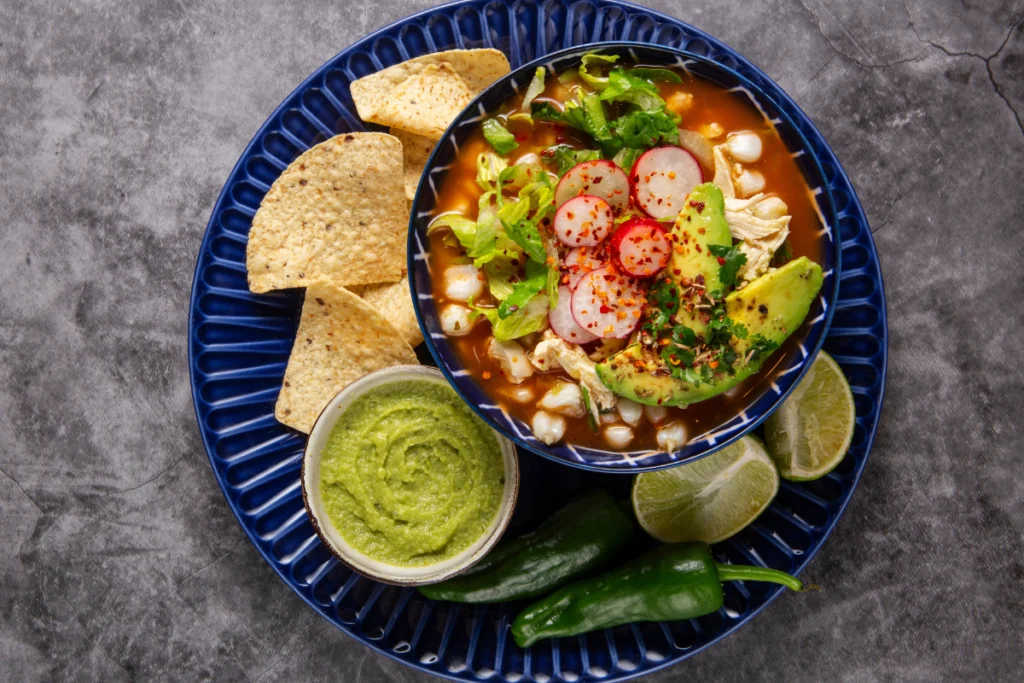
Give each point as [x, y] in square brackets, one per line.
[576, 539]
[669, 583]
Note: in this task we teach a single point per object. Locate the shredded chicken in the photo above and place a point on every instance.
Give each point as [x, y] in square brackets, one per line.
[760, 221]
[762, 225]
[552, 350]
[723, 175]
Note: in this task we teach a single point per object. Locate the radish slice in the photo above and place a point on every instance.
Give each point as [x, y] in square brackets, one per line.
[662, 178]
[599, 178]
[583, 221]
[607, 304]
[562, 322]
[640, 247]
[581, 261]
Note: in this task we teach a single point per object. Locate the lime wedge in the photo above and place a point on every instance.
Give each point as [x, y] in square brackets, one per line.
[811, 431]
[708, 500]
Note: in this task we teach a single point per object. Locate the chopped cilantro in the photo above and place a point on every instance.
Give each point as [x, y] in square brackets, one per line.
[761, 347]
[730, 259]
[782, 256]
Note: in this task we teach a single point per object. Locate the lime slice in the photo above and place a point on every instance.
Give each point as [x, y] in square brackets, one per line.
[811, 431]
[708, 500]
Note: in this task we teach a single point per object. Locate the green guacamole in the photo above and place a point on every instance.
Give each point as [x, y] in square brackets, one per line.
[410, 475]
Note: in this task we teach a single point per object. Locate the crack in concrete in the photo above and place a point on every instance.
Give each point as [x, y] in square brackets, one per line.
[150, 480]
[924, 41]
[823, 67]
[987, 61]
[23, 491]
[209, 564]
[89, 637]
[888, 213]
[851, 58]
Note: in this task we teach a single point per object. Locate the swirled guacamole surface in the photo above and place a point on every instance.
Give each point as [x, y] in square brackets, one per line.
[410, 476]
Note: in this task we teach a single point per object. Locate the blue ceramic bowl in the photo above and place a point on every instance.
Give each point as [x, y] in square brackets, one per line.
[786, 373]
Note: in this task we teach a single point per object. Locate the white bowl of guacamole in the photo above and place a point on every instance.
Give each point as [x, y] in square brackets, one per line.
[403, 481]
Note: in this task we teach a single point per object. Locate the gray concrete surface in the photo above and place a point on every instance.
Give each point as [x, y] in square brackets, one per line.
[119, 122]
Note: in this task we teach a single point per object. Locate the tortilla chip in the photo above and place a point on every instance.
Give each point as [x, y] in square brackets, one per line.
[425, 103]
[394, 301]
[340, 339]
[337, 213]
[377, 97]
[416, 150]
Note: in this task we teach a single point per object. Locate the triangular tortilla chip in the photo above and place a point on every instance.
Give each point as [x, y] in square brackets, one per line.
[337, 213]
[378, 92]
[425, 103]
[340, 339]
[416, 150]
[394, 301]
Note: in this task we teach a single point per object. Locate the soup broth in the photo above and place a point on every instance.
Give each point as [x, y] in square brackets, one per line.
[703, 106]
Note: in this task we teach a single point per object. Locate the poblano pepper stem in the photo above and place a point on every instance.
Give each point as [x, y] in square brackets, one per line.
[741, 572]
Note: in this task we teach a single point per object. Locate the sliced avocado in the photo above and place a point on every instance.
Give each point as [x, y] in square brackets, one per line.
[699, 225]
[773, 306]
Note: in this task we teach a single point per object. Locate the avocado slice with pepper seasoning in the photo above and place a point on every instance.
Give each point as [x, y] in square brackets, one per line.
[692, 267]
[768, 309]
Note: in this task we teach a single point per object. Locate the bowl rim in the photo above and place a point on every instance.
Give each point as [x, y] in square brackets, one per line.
[332, 538]
[830, 219]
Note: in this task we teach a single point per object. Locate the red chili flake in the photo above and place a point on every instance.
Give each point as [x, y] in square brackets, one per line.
[721, 261]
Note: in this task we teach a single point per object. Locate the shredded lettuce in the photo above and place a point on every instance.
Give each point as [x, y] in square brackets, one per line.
[485, 240]
[565, 157]
[488, 169]
[541, 195]
[551, 286]
[626, 157]
[624, 87]
[463, 228]
[645, 124]
[498, 137]
[587, 115]
[536, 280]
[499, 273]
[595, 123]
[590, 79]
[655, 75]
[644, 129]
[535, 88]
[524, 233]
[520, 175]
[532, 317]
[538, 199]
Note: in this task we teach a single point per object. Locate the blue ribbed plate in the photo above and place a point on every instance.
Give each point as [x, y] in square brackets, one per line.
[239, 344]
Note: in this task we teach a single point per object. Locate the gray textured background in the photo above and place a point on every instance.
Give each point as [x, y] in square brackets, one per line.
[119, 122]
